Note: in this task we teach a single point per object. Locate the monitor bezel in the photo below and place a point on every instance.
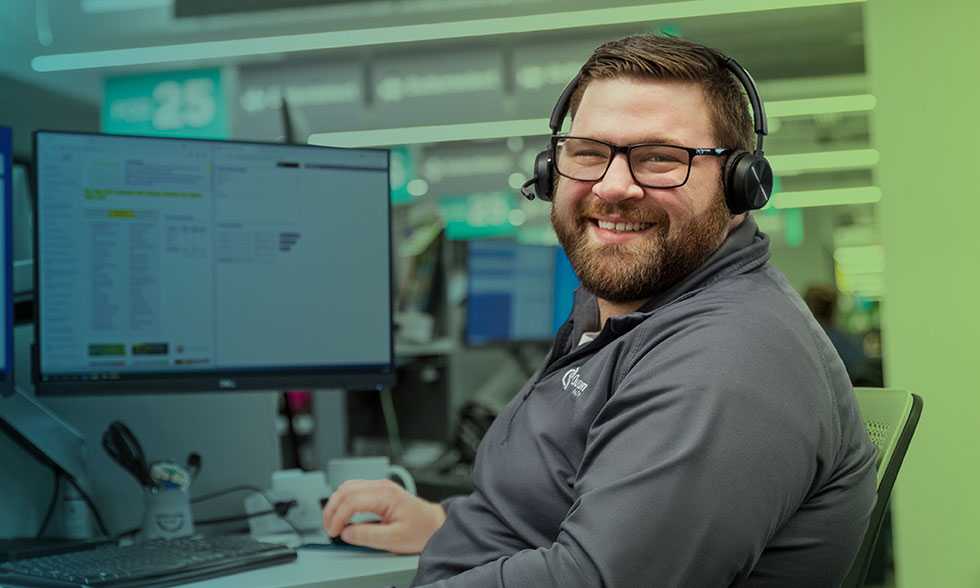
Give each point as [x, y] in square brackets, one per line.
[7, 377]
[273, 378]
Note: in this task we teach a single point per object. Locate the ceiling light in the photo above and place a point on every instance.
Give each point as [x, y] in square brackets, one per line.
[798, 163]
[417, 187]
[815, 106]
[531, 127]
[433, 134]
[831, 197]
[102, 6]
[210, 50]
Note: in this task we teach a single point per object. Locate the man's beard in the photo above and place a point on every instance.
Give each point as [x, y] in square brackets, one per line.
[644, 267]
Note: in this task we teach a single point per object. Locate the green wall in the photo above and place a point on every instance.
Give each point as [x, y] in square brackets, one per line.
[924, 63]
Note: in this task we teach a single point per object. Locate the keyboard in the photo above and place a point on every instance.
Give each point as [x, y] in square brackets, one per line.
[149, 564]
[25, 547]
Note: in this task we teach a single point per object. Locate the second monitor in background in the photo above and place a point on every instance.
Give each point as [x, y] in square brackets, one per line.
[192, 265]
[516, 293]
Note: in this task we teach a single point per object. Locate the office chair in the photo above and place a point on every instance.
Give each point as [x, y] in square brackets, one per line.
[891, 417]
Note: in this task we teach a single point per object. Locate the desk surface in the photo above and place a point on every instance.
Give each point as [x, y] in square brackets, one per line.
[325, 568]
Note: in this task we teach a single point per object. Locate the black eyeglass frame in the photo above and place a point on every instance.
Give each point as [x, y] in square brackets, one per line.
[628, 149]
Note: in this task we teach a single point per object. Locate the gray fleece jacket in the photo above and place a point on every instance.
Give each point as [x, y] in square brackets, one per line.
[709, 439]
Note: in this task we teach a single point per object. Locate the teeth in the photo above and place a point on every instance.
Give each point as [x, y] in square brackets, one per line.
[623, 227]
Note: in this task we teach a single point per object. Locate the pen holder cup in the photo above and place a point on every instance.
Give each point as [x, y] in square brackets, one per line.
[167, 514]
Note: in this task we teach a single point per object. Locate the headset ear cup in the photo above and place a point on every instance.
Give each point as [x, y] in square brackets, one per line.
[748, 182]
[734, 199]
[544, 185]
[761, 172]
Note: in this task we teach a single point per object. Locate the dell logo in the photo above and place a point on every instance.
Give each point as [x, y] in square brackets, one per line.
[227, 384]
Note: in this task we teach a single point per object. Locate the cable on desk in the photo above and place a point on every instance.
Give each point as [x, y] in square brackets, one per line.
[51, 505]
[59, 473]
[241, 488]
[128, 533]
[278, 508]
[281, 509]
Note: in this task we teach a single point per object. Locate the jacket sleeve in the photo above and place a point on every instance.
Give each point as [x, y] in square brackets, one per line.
[695, 461]
[445, 503]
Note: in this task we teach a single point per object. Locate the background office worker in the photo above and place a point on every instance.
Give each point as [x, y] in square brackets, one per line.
[692, 426]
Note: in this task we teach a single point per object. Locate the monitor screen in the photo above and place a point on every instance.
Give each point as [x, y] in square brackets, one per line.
[185, 264]
[6, 293]
[516, 292]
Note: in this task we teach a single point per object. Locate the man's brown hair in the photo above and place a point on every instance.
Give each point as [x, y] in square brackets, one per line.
[646, 57]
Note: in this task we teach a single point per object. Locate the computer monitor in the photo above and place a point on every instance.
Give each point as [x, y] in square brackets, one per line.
[184, 264]
[6, 295]
[516, 292]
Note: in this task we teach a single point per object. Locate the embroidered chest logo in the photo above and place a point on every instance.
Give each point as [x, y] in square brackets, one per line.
[572, 380]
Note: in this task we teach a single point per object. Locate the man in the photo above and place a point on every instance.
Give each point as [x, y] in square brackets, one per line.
[821, 299]
[692, 425]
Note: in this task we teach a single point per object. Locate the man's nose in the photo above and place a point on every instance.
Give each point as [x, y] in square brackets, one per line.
[618, 183]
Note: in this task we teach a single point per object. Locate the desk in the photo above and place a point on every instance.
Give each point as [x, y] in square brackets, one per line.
[329, 568]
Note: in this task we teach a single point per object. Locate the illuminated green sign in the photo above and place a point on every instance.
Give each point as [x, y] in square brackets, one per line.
[480, 215]
[189, 103]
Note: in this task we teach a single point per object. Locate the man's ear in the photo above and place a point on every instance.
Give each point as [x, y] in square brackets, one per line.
[736, 220]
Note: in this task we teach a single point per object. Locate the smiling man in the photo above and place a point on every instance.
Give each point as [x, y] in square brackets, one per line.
[626, 238]
[692, 425]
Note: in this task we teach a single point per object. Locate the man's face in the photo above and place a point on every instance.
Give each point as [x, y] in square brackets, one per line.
[679, 227]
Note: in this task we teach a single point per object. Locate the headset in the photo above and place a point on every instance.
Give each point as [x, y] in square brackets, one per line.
[747, 175]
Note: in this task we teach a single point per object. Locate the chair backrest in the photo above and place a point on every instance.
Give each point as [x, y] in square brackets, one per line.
[890, 416]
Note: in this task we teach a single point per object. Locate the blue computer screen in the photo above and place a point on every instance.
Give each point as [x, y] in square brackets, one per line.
[210, 264]
[516, 292]
[6, 290]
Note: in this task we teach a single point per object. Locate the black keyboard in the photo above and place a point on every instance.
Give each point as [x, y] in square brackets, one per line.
[149, 564]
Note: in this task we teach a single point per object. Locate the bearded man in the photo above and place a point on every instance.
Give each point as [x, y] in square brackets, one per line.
[692, 425]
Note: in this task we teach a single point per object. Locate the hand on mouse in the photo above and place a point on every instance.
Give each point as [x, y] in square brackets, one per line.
[407, 522]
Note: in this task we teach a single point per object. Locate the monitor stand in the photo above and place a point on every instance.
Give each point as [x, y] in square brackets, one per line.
[44, 434]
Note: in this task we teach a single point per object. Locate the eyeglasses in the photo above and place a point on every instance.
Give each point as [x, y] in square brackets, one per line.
[653, 165]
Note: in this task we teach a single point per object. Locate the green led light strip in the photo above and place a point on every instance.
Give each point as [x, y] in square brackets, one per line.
[539, 127]
[797, 163]
[831, 197]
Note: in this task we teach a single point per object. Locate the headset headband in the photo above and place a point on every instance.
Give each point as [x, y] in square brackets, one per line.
[560, 110]
[747, 175]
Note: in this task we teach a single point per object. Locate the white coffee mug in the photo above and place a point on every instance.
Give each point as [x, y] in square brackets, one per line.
[341, 469]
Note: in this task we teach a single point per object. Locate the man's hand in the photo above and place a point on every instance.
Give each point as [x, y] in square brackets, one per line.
[407, 522]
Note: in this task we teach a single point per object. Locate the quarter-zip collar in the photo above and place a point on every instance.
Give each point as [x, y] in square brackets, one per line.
[745, 249]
